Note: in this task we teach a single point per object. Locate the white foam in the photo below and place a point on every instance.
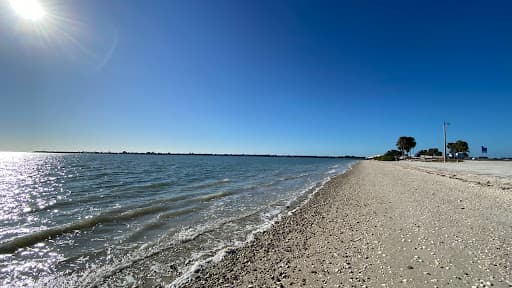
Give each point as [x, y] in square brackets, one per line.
[196, 266]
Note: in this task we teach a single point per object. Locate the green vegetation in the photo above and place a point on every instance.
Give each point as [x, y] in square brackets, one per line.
[429, 152]
[391, 155]
[405, 144]
[460, 146]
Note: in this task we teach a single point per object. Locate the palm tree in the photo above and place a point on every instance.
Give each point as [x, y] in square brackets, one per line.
[405, 144]
[401, 144]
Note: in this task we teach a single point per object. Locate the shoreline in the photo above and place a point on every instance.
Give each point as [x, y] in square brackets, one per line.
[278, 228]
[372, 227]
[294, 206]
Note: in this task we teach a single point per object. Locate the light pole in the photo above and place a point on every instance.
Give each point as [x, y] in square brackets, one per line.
[444, 132]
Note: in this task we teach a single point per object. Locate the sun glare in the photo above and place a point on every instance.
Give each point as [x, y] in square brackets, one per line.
[28, 9]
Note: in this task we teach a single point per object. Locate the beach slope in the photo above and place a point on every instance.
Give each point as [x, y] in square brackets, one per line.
[380, 225]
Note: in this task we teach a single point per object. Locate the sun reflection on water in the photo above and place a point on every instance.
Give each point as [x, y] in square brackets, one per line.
[28, 183]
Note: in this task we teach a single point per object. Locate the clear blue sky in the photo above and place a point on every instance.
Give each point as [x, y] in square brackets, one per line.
[286, 77]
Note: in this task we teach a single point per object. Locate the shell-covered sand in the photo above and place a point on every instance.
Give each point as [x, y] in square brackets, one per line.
[381, 225]
[485, 173]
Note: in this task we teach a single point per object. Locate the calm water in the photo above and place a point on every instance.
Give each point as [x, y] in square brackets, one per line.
[84, 220]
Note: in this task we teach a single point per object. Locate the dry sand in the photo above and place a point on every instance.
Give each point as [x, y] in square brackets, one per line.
[381, 225]
[486, 173]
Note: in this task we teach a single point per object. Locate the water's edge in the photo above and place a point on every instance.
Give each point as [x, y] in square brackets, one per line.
[294, 206]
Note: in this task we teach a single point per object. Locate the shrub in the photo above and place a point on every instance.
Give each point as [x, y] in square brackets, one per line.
[386, 158]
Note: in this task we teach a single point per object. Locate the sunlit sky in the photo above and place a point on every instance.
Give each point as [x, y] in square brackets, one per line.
[284, 77]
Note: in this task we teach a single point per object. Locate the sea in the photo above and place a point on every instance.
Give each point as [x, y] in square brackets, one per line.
[89, 220]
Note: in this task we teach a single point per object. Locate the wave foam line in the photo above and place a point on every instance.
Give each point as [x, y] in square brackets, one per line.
[94, 277]
[185, 277]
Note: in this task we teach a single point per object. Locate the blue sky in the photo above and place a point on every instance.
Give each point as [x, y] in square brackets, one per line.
[285, 77]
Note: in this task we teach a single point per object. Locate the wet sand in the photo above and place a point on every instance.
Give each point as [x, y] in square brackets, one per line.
[380, 225]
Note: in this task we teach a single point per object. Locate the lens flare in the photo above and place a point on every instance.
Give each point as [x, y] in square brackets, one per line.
[28, 9]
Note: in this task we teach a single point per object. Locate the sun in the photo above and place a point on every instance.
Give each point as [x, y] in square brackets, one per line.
[28, 9]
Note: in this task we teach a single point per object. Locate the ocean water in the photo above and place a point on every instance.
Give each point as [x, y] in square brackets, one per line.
[85, 220]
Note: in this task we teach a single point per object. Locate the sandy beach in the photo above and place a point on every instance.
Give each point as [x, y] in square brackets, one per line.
[382, 225]
[484, 173]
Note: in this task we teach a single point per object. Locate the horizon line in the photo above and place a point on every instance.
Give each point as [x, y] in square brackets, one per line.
[199, 154]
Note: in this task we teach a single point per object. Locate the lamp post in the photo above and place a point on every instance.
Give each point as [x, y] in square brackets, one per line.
[444, 133]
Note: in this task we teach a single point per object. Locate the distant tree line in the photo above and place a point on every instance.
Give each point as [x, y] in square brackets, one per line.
[390, 155]
[459, 147]
[406, 143]
[429, 152]
[199, 154]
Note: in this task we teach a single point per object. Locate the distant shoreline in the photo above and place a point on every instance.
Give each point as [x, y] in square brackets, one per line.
[200, 154]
